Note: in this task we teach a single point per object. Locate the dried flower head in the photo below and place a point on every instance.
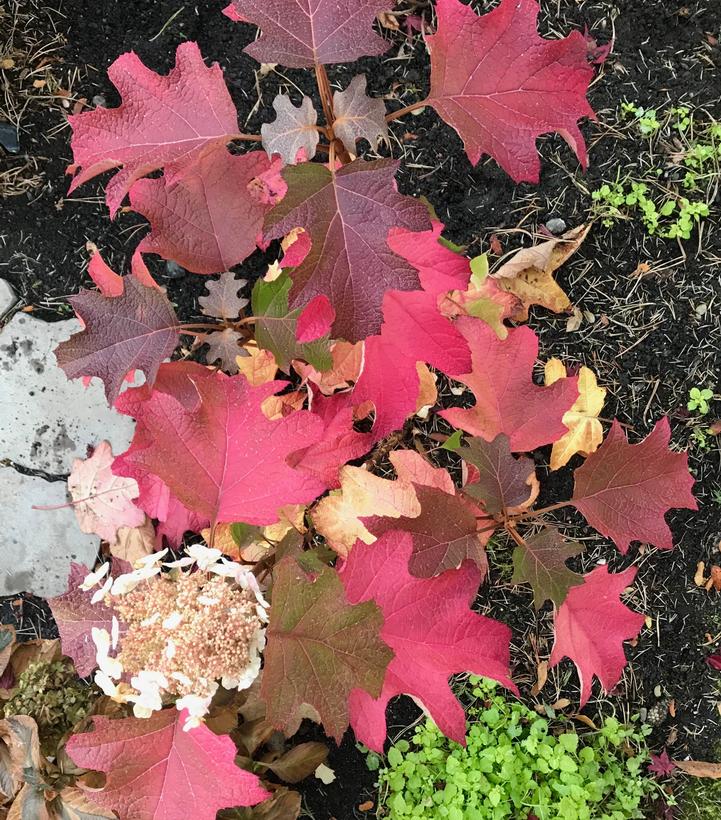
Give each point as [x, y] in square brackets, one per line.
[185, 630]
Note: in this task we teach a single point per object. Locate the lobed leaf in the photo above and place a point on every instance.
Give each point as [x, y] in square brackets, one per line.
[624, 490]
[300, 33]
[162, 122]
[348, 215]
[432, 631]
[157, 771]
[501, 86]
[320, 648]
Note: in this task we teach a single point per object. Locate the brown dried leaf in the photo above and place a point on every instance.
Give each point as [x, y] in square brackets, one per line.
[133, 543]
[299, 762]
[528, 275]
[700, 768]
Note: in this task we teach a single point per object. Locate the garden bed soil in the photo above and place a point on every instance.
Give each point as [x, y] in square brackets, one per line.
[646, 337]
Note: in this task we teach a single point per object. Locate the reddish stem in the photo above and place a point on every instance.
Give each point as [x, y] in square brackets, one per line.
[394, 115]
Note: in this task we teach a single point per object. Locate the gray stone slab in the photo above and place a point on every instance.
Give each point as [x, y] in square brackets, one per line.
[7, 297]
[37, 546]
[46, 419]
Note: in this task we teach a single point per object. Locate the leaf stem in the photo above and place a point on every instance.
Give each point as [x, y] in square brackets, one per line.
[248, 137]
[538, 513]
[394, 115]
[326, 99]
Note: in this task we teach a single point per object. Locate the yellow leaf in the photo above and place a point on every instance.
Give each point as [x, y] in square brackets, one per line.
[258, 366]
[585, 432]
[528, 275]
[337, 517]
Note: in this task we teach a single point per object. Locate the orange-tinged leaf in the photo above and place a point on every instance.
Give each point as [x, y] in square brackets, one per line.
[585, 432]
[338, 517]
[258, 367]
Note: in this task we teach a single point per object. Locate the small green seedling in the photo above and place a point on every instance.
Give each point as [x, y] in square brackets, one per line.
[699, 399]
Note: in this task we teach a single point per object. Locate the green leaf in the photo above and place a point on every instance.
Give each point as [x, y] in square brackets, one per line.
[319, 649]
[275, 326]
[541, 562]
[453, 442]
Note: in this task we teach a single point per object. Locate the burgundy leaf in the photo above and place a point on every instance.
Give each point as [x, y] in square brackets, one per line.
[205, 220]
[133, 331]
[501, 86]
[299, 33]
[348, 215]
[624, 490]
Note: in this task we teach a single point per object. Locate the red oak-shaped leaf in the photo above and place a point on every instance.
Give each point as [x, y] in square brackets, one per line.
[440, 269]
[221, 457]
[315, 320]
[177, 379]
[205, 220]
[163, 122]
[625, 489]
[358, 116]
[292, 130]
[102, 501]
[501, 86]
[348, 215]
[299, 33]
[443, 535]
[432, 631]
[157, 771]
[413, 324]
[541, 562]
[75, 617]
[503, 482]
[133, 331]
[507, 400]
[320, 648]
[591, 626]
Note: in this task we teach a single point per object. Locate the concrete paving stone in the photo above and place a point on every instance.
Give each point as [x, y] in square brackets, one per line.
[37, 546]
[46, 419]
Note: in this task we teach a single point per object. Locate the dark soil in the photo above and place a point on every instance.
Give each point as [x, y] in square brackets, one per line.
[646, 338]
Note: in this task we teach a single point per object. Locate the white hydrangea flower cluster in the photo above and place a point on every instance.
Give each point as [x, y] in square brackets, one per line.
[182, 631]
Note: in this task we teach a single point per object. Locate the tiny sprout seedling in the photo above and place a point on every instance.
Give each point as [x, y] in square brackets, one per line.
[699, 398]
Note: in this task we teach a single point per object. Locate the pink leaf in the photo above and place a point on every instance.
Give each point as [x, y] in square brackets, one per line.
[501, 86]
[218, 453]
[413, 325]
[75, 617]
[108, 282]
[432, 631]
[205, 220]
[348, 215]
[507, 400]
[103, 502]
[439, 268]
[157, 771]
[163, 121]
[624, 490]
[315, 320]
[299, 33]
[591, 626]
